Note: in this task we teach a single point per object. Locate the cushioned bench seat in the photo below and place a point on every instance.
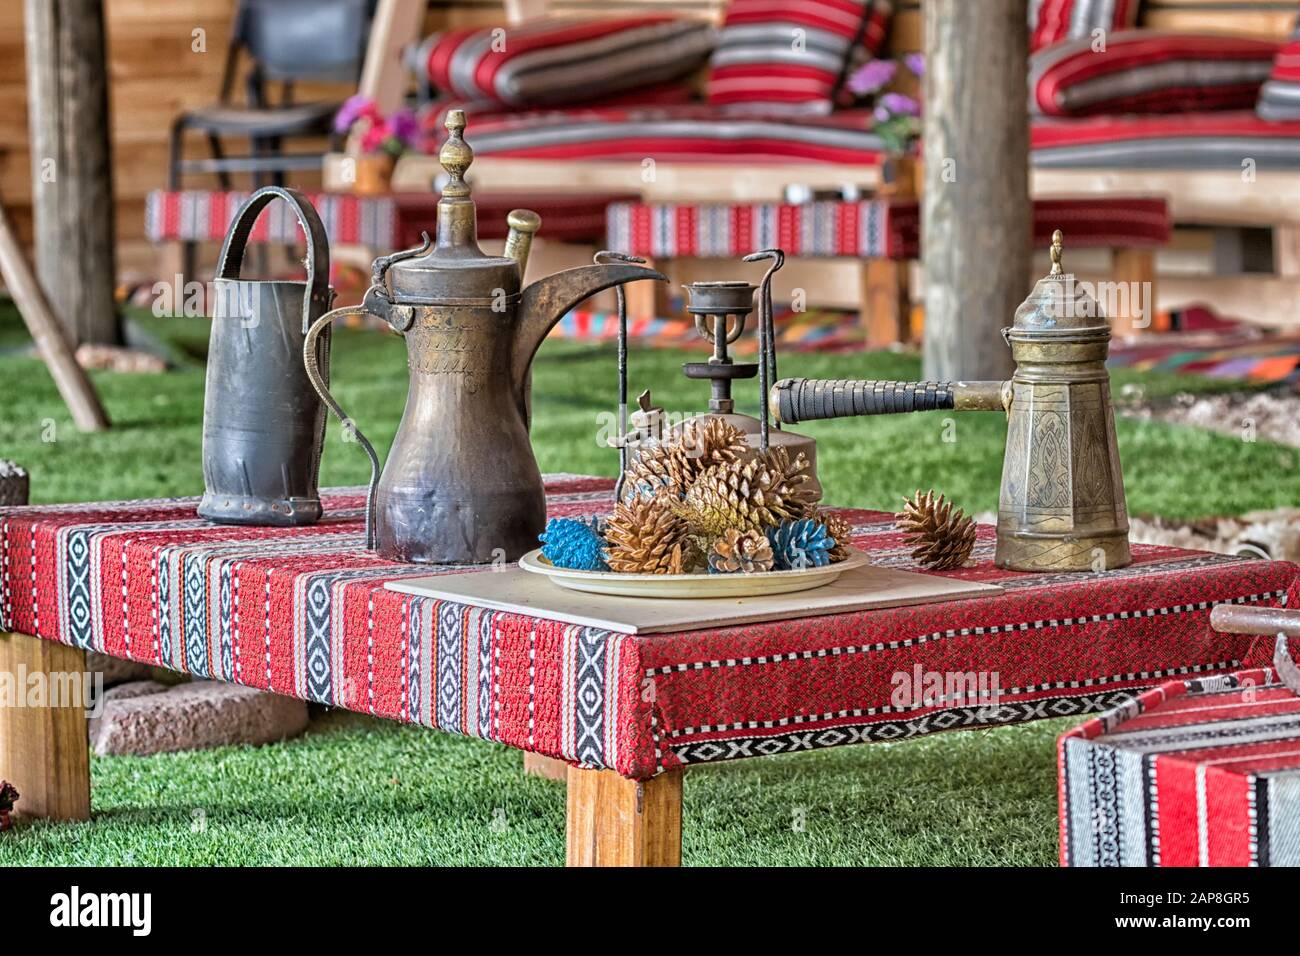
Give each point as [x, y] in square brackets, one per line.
[697, 133]
[1197, 141]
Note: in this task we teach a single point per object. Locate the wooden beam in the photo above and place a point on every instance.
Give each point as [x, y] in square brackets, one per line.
[614, 821]
[383, 77]
[44, 751]
[51, 338]
[975, 216]
[72, 165]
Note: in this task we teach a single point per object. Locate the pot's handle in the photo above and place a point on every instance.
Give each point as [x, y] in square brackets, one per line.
[318, 256]
[319, 382]
[1284, 622]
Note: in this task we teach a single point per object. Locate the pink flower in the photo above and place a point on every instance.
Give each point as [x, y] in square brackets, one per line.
[353, 108]
[372, 140]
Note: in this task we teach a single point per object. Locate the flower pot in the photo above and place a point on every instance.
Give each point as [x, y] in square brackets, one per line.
[374, 174]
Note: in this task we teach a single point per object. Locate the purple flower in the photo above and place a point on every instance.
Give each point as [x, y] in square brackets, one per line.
[405, 127]
[871, 76]
[350, 112]
[899, 104]
[915, 62]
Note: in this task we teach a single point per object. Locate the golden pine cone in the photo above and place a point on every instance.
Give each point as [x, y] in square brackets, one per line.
[676, 462]
[747, 495]
[942, 538]
[646, 537]
[837, 528]
[744, 551]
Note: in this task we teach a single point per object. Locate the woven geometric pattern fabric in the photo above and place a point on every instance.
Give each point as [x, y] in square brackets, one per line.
[1203, 772]
[868, 229]
[303, 612]
[1149, 71]
[791, 55]
[1223, 139]
[1279, 99]
[1051, 21]
[554, 62]
[205, 216]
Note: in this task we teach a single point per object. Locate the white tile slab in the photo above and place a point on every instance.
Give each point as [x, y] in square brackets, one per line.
[510, 589]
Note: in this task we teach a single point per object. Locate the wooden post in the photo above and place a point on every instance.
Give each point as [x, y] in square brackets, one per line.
[614, 821]
[44, 751]
[976, 218]
[1133, 269]
[51, 338]
[72, 171]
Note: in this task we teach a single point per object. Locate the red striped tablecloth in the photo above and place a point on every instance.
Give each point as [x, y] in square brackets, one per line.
[304, 612]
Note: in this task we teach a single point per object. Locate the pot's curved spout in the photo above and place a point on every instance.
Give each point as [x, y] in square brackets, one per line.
[547, 300]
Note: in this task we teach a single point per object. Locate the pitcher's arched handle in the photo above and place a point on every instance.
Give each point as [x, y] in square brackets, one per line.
[319, 383]
[318, 257]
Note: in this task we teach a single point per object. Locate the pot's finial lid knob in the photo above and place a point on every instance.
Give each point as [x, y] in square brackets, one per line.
[455, 156]
[1056, 252]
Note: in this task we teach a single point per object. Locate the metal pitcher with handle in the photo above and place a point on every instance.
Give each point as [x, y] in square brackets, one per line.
[263, 424]
[460, 483]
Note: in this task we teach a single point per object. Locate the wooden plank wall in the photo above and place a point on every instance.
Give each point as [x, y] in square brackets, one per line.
[155, 73]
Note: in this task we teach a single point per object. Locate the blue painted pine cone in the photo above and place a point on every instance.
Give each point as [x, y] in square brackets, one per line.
[800, 544]
[569, 543]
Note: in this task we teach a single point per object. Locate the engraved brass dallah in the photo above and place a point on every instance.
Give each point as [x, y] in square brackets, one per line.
[1061, 506]
[461, 484]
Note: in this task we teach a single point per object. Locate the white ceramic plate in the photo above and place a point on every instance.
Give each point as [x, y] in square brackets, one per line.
[691, 585]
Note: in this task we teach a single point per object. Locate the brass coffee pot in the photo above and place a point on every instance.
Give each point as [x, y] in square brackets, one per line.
[461, 484]
[1061, 506]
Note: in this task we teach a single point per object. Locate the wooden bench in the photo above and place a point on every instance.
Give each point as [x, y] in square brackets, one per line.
[885, 235]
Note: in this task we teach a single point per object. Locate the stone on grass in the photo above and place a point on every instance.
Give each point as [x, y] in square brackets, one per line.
[115, 670]
[14, 483]
[195, 716]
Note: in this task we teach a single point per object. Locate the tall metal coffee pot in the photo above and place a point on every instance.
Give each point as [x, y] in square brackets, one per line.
[460, 484]
[263, 425]
[1061, 506]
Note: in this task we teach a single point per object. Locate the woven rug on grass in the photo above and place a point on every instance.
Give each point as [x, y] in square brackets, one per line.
[304, 612]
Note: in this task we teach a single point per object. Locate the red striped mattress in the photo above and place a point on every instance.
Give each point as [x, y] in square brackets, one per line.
[700, 133]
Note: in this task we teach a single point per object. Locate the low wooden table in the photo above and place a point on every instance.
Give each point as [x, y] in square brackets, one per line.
[305, 612]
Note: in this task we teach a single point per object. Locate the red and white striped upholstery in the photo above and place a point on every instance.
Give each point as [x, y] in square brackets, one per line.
[1280, 97]
[791, 55]
[1149, 71]
[561, 61]
[1224, 140]
[867, 229]
[205, 216]
[1051, 21]
[1202, 772]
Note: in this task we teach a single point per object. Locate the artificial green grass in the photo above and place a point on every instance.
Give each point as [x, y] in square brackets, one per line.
[360, 790]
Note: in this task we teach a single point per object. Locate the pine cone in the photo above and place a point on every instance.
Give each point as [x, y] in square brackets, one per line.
[675, 463]
[747, 495]
[837, 528]
[570, 543]
[744, 551]
[800, 544]
[942, 538]
[646, 537]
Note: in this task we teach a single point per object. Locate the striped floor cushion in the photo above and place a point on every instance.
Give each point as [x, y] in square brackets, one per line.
[200, 215]
[684, 133]
[1280, 97]
[791, 55]
[1149, 71]
[1229, 140]
[1051, 21]
[564, 60]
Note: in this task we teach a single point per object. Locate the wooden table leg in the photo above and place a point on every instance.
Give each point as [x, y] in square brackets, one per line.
[614, 821]
[535, 765]
[44, 751]
[885, 309]
[1134, 272]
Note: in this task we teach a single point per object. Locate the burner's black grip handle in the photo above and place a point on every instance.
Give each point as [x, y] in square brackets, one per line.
[803, 399]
